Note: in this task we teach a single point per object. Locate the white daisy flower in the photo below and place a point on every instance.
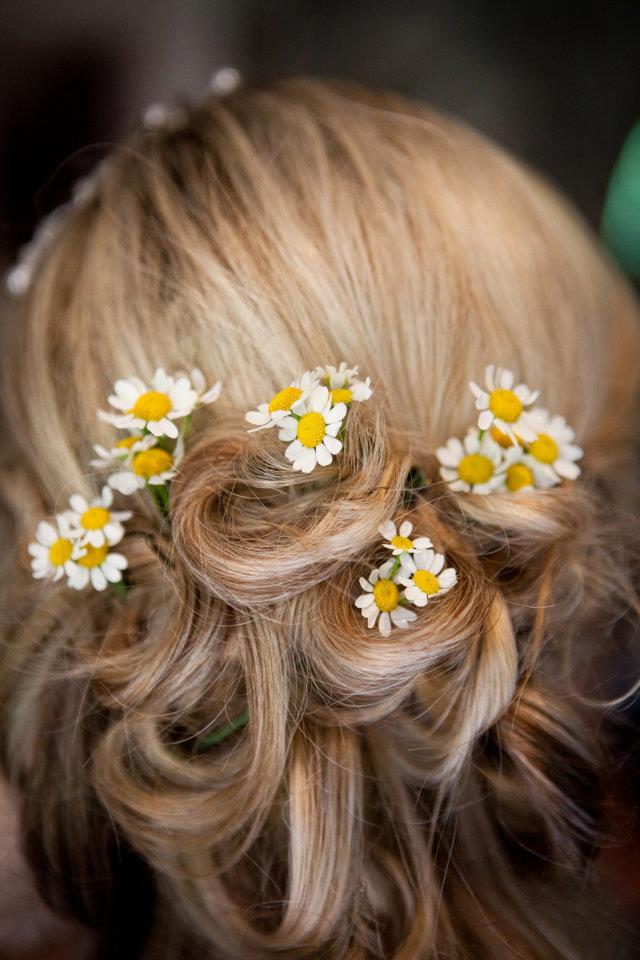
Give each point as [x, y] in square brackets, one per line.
[399, 541]
[97, 566]
[473, 465]
[52, 551]
[116, 455]
[97, 522]
[381, 599]
[344, 384]
[552, 455]
[153, 408]
[283, 403]
[146, 463]
[423, 576]
[504, 405]
[518, 476]
[312, 432]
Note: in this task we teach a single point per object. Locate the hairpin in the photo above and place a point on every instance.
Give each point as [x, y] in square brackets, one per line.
[514, 446]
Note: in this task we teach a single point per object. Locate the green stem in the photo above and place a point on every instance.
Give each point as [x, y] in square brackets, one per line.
[184, 430]
[217, 736]
[159, 493]
[394, 569]
[120, 588]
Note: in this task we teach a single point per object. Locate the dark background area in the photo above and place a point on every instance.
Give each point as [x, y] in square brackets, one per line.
[556, 83]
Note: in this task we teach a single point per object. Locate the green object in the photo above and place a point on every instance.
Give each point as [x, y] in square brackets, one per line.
[621, 213]
[120, 589]
[217, 736]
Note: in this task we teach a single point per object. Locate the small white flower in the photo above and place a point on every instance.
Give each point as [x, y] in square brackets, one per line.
[52, 551]
[312, 433]
[153, 408]
[552, 455]
[518, 476]
[399, 541]
[473, 465]
[423, 576]
[504, 405]
[146, 462]
[286, 401]
[97, 566]
[344, 384]
[97, 522]
[381, 599]
[116, 455]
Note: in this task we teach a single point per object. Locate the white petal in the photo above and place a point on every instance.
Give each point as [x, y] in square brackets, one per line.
[332, 444]
[505, 381]
[385, 569]
[337, 413]
[126, 393]
[46, 534]
[293, 451]
[437, 563]
[422, 543]
[168, 428]
[385, 624]
[364, 600]
[476, 390]
[113, 532]
[95, 537]
[319, 399]
[98, 579]
[112, 574]
[387, 529]
[365, 584]
[79, 579]
[405, 528]
[78, 503]
[306, 460]
[323, 456]
[408, 562]
[567, 469]
[485, 419]
[258, 417]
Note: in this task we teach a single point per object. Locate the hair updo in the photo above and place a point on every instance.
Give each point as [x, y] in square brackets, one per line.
[433, 793]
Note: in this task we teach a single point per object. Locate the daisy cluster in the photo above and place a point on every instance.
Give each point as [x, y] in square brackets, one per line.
[514, 446]
[78, 543]
[414, 575]
[310, 413]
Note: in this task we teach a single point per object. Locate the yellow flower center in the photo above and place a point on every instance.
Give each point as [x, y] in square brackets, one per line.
[501, 437]
[341, 395]
[285, 399]
[402, 543]
[475, 468]
[545, 449]
[518, 476]
[505, 405]
[427, 582]
[149, 463]
[94, 556]
[94, 518]
[311, 429]
[386, 595]
[151, 405]
[60, 551]
[126, 443]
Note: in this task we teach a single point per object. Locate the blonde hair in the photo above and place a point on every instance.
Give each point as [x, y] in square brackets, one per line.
[434, 793]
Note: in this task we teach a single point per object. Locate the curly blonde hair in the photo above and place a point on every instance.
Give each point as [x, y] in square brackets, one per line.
[430, 794]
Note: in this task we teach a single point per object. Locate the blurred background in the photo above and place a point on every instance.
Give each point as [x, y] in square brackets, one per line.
[557, 83]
